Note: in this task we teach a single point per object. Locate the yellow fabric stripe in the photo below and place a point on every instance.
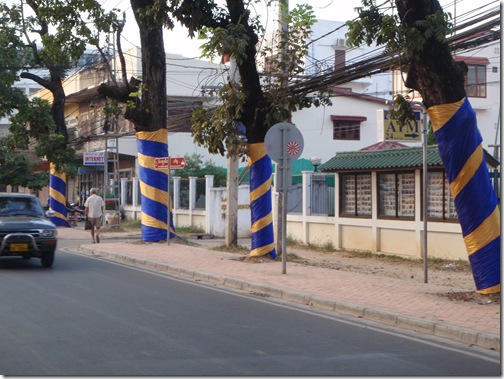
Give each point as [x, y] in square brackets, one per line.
[484, 234]
[145, 160]
[59, 215]
[261, 223]
[263, 250]
[152, 222]
[489, 290]
[255, 152]
[157, 136]
[58, 196]
[259, 191]
[467, 172]
[154, 193]
[53, 172]
[441, 114]
[55, 194]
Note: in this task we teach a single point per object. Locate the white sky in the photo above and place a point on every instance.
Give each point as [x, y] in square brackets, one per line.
[178, 42]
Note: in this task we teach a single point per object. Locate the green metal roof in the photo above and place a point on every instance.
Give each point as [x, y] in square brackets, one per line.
[407, 157]
[298, 166]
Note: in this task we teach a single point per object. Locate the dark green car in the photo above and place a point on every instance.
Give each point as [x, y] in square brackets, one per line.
[25, 230]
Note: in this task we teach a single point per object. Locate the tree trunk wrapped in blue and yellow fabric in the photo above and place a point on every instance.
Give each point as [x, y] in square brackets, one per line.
[261, 210]
[57, 196]
[477, 207]
[153, 186]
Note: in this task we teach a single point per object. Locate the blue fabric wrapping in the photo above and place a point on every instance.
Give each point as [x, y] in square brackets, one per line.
[155, 186]
[457, 140]
[486, 264]
[476, 202]
[57, 198]
[262, 238]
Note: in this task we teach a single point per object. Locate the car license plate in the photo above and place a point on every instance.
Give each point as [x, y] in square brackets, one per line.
[17, 247]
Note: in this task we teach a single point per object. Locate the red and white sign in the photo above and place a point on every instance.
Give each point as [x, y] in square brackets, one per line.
[94, 158]
[175, 162]
[293, 148]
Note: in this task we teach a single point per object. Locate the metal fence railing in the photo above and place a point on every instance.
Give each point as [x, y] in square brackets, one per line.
[320, 187]
[184, 193]
[200, 200]
[321, 195]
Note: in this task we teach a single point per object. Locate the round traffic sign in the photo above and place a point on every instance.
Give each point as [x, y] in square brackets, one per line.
[284, 141]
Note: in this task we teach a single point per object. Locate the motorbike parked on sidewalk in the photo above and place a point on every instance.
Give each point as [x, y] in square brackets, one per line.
[75, 213]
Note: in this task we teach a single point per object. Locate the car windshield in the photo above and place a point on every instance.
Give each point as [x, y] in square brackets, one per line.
[20, 206]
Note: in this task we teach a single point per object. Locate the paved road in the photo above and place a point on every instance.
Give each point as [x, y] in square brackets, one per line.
[87, 316]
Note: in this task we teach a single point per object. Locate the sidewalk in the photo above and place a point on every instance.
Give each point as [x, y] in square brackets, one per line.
[400, 303]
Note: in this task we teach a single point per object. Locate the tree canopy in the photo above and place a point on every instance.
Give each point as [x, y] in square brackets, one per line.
[198, 167]
[41, 41]
[418, 31]
[18, 169]
[253, 103]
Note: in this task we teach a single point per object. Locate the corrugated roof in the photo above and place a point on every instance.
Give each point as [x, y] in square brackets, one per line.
[382, 159]
[383, 145]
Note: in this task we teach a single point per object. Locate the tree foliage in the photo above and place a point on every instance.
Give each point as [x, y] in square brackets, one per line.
[144, 98]
[248, 106]
[44, 36]
[251, 104]
[374, 25]
[195, 166]
[418, 31]
[17, 169]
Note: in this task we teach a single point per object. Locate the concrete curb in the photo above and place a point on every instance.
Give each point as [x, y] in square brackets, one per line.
[438, 329]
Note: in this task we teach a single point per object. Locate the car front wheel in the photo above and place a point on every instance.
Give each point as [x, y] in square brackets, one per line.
[47, 259]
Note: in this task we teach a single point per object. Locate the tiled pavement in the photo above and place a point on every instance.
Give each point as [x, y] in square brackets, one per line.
[409, 305]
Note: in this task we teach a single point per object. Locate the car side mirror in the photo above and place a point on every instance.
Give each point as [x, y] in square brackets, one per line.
[49, 213]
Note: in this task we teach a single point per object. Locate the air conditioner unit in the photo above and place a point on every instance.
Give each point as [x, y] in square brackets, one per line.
[340, 42]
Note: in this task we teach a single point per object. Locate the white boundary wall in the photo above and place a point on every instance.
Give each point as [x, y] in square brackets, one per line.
[380, 236]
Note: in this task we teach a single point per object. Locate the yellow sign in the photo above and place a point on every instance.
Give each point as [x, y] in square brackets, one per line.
[393, 130]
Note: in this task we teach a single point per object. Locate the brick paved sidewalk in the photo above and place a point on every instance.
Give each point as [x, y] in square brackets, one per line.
[389, 301]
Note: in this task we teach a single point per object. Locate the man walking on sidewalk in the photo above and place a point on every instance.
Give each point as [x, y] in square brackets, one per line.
[94, 211]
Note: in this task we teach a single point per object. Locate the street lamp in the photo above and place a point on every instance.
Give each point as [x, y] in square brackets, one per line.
[315, 161]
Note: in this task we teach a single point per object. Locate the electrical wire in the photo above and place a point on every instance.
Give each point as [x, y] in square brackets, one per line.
[368, 67]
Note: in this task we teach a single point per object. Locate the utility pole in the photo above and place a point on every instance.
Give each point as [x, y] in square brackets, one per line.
[111, 186]
[283, 11]
[425, 249]
[232, 181]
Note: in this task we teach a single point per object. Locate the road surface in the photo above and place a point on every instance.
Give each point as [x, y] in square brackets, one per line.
[88, 316]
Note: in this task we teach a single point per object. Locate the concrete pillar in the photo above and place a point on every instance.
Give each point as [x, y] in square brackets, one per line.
[135, 191]
[176, 192]
[232, 202]
[209, 202]
[375, 229]
[192, 192]
[337, 226]
[123, 191]
[306, 175]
